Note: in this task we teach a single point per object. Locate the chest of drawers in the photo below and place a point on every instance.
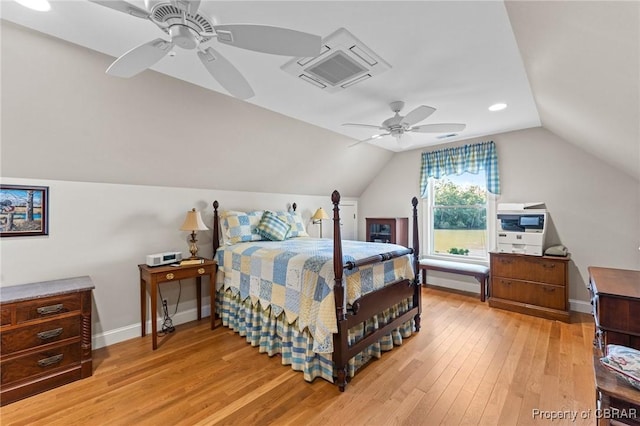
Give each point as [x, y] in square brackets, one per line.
[615, 300]
[45, 336]
[534, 285]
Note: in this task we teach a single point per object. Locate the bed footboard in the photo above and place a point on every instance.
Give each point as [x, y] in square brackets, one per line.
[373, 303]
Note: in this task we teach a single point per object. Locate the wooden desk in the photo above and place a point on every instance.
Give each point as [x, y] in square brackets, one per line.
[152, 276]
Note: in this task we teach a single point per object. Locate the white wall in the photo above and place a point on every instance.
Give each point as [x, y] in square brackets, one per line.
[63, 118]
[106, 230]
[594, 208]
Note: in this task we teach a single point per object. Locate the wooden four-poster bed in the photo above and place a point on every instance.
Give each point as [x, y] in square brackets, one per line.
[281, 304]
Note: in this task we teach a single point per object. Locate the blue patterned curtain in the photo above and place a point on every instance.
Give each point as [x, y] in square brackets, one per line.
[455, 161]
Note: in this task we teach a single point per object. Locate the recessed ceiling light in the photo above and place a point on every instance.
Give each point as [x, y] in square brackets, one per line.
[39, 5]
[497, 107]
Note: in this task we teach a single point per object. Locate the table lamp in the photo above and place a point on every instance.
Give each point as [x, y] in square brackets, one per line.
[318, 217]
[193, 222]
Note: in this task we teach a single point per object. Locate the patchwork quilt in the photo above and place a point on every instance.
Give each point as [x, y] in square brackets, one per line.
[295, 277]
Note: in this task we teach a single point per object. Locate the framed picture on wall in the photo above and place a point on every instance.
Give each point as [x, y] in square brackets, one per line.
[24, 210]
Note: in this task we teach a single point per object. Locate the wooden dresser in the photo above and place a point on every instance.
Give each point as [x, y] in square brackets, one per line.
[535, 285]
[615, 300]
[45, 336]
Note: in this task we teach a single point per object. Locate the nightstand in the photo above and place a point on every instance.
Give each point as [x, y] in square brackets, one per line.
[153, 276]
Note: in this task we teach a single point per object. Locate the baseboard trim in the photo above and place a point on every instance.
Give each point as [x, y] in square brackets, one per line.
[470, 286]
[100, 340]
[107, 338]
[580, 306]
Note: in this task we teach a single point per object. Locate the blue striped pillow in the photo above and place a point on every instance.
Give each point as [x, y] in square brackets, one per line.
[272, 227]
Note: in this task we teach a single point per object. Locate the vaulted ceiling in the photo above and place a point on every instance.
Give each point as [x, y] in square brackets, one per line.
[571, 67]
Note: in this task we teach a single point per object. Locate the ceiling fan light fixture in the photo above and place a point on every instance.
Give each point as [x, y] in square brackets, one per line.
[497, 107]
[188, 29]
[182, 36]
[39, 5]
[398, 125]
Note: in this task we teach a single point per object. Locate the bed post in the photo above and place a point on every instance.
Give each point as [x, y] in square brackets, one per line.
[417, 294]
[216, 230]
[340, 340]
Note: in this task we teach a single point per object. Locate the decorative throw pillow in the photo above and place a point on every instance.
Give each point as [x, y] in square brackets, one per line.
[272, 227]
[624, 362]
[296, 223]
[240, 227]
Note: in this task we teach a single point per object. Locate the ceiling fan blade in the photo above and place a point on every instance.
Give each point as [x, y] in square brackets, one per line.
[140, 58]
[418, 114]
[439, 128]
[370, 139]
[189, 6]
[267, 39]
[363, 125]
[123, 6]
[225, 73]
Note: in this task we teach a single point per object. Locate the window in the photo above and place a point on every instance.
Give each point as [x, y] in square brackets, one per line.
[458, 220]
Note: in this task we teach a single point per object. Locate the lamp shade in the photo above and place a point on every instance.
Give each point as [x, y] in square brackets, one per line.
[193, 222]
[320, 214]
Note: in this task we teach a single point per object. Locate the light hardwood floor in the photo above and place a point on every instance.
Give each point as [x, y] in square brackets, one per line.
[470, 364]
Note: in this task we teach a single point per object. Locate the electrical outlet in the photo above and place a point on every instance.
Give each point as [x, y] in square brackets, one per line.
[164, 302]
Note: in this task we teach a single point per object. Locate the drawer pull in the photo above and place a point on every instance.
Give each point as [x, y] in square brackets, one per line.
[549, 265]
[51, 309]
[201, 271]
[170, 276]
[50, 334]
[50, 361]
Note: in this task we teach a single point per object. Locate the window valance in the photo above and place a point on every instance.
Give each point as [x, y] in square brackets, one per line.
[458, 160]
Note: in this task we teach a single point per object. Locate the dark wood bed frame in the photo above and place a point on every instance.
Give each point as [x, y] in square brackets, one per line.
[368, 305]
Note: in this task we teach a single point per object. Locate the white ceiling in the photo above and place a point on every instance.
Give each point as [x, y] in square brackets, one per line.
[572, 67]
[458, 57]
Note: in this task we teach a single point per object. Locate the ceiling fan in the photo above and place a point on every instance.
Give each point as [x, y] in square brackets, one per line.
[191, 29]
[398, 125]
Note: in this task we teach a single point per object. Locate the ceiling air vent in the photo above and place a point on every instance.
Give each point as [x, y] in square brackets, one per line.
[344, 61]
[449, 135]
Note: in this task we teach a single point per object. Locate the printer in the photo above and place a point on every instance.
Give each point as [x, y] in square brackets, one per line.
[521, 228]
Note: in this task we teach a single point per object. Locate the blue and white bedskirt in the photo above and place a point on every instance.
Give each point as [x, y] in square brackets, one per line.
[273, 335]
